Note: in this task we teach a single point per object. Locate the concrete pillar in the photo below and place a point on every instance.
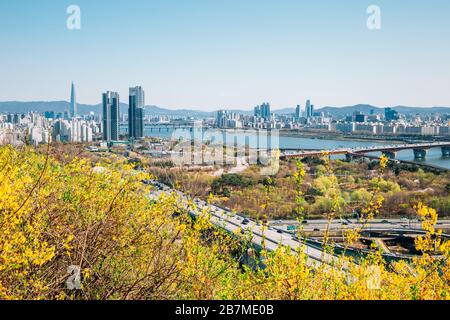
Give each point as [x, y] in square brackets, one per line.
[445, 151]
[420, 153]
[390, 154]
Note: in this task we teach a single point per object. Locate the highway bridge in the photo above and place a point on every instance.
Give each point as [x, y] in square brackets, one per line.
[419, 149]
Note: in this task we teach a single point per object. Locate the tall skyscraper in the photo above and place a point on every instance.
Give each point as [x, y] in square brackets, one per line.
[309, 109]
[298, 112]
[136, 113]
[73, 102]
[111, 116]
[265, 111]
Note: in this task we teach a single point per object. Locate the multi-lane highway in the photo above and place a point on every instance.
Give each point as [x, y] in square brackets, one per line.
[234, 223]
[278, 232]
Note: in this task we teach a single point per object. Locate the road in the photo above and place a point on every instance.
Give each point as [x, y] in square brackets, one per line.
[277, 234]
[234, 223]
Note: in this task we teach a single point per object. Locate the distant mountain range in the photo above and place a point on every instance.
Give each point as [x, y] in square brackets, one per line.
[61, 106]
[367, 109]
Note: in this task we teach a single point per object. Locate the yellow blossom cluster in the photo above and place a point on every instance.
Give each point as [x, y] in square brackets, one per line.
[61, 214]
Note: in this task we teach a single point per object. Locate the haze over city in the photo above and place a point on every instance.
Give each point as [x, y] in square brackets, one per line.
[209, 55]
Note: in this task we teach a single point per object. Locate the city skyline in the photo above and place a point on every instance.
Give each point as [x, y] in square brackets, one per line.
[209, 56]
[307, 108]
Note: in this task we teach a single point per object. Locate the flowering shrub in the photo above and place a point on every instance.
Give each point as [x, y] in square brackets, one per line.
[96, 216]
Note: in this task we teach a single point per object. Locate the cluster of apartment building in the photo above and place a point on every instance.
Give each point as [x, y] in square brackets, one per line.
[388, 128]
[263, 118]
[69, 126]
[37, 128]
[75, 130]
[391, 123]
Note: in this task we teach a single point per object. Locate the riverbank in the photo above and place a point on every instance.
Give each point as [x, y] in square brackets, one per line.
[304, 140]
[320, 135]
[336, 136]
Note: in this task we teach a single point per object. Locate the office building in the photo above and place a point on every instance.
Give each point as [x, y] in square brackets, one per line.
[390, 114]
[359, 117]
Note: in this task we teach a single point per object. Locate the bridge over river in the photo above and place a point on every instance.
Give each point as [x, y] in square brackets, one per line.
[419, 150]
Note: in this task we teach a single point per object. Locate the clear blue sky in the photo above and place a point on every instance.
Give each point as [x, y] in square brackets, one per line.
[210, 54]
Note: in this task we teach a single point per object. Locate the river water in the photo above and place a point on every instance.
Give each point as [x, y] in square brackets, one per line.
[253, 139]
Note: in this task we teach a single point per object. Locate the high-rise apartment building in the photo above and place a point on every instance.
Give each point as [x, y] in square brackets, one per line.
[263, 111]
[136, 113]
[222, 118]
[111, 116]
